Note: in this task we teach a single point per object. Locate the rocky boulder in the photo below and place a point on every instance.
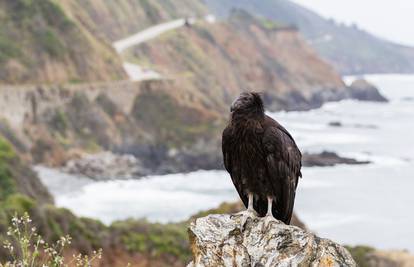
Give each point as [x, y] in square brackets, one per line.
[364, 91]
[216, 240]
[327, 158]
[106, 166]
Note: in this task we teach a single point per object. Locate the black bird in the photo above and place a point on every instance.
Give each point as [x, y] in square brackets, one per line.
[262, 159]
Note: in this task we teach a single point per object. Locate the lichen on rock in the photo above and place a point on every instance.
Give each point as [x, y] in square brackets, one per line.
[217, 240]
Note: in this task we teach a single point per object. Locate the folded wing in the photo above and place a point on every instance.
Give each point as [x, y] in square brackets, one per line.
[283, 162]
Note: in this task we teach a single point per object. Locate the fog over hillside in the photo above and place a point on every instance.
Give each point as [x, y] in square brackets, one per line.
[397, 12]
[350, 49]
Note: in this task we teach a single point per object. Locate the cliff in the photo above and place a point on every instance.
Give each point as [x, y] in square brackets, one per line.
[174, 124]
[217, 240]
[41, 43]
[150, 120]
[69, 41]
[212, 59]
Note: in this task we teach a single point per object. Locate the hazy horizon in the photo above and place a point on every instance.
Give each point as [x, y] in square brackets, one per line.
[387, 19]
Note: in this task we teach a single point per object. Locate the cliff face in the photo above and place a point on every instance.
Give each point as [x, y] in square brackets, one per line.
[40, 43]
[69, 41]
[224, 59]
[171, 125]
[148, 119]
[217, 240]
[174, 124]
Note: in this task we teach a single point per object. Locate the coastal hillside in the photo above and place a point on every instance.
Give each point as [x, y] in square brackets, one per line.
[350, 49]
[52, 124]
[173, 124]
[135, 243]
[69, 41]
[117, 19]
[212, 59]
[40, 43]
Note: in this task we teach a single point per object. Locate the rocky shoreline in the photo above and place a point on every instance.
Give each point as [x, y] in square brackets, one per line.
[106, 166]
[133, 161]
[360, 90]
[328, 159]
[110, 166]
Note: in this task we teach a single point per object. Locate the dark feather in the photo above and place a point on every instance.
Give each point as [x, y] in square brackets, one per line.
[261, 157]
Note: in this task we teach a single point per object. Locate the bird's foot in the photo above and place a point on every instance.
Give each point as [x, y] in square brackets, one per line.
[267, 221]
[244, 216]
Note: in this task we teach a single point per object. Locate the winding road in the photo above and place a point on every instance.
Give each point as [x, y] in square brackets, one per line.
[147, 34]
[137, 72]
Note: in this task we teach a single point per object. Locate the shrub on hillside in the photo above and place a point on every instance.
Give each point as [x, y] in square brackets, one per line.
[28, 249]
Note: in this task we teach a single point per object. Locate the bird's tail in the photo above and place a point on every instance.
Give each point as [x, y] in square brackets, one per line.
[288, 201]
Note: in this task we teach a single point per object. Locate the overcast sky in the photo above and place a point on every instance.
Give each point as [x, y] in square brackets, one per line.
[392, 19]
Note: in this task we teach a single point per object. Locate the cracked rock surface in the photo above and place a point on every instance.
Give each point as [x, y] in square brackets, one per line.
[216, 240]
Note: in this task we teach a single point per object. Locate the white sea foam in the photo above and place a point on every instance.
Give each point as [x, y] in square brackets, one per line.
[160, 198]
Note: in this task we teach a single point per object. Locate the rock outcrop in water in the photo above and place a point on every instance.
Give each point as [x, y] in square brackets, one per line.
[107, 166]
[327, 158]
[216, 240]
[364, 91]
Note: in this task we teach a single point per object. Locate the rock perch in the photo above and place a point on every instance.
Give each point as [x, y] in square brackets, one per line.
[216, 240]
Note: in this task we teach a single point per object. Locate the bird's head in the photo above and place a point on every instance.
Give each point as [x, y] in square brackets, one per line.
[248, 103]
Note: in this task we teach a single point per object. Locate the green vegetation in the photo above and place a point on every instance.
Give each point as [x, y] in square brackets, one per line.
[7, 184]
[12, 198]
[172, 123]
[154, 239]
[270, 24]
[151, 11]
[359, 253]
[60, 122]
[8, 49]
[52, 223]
[18, 203]
[193, 57]
[25, 11]
[27, 14]
[38, 34]
[51, 43]
[28, 249]
[8, 133]
[6, 150]
[166, 243]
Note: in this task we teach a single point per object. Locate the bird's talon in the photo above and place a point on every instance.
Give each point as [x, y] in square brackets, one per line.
[267, 221]
[248, 213]
[245, 215]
